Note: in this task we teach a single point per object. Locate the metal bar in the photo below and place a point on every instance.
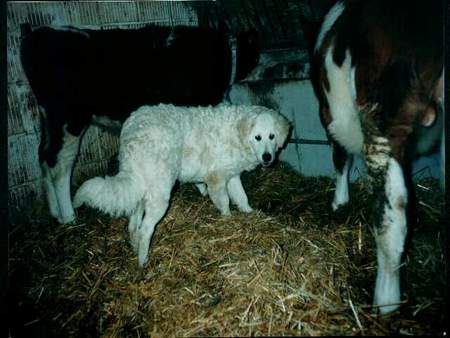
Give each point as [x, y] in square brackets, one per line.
[306, 141]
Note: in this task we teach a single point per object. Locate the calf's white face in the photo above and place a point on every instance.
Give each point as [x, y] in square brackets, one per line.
[265, 138]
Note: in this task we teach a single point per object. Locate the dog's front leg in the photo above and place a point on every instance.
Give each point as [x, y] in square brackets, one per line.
[237, 194]
[217, 191]
[202, 188]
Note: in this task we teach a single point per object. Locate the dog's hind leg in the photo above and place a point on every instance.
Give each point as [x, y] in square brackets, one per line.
[155, 204]
[237, 194]
[134, 222]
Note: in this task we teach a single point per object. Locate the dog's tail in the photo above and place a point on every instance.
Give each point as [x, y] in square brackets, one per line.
[115, 195]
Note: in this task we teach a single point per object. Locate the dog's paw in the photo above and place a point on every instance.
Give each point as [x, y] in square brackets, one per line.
[335, 205]
[247, 209]
[68, 219]
[225, 213]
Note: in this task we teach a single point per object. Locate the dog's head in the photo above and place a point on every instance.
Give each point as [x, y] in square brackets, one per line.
[266, 132]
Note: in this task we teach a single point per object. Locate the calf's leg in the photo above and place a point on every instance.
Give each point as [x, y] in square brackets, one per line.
[342, 162]
[388, 221]
[57, 161]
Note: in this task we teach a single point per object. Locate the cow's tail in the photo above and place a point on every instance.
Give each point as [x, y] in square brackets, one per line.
[115, 195]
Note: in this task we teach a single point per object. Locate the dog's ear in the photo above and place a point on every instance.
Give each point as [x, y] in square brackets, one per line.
[245, 126]
[283, 128]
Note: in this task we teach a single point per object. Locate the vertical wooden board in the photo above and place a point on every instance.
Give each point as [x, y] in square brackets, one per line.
[82, 14]
[166, 13]
[82, 173]
[109, 144]
[23, 115]
[11, 15]
[22, 198]
[73, 12]
[23, 163]
[51, 13]
[14, 66]
[97, 145]
[152, 11]
[89, 150]
[183, 14]
[117, 12]
[14, 117]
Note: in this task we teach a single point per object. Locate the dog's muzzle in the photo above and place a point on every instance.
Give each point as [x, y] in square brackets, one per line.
[267, 159]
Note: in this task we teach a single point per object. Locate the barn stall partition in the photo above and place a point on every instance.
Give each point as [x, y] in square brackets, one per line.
[281, 81]
[282, 73]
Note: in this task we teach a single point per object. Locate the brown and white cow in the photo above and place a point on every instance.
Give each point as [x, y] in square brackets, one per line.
[378, 72]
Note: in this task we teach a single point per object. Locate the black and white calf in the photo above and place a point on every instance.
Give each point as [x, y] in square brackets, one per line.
[378, 71]
[81, 76]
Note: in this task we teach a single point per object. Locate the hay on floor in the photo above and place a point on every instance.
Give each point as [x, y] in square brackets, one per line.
[292, 268]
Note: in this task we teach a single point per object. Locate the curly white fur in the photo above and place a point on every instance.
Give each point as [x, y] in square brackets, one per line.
[209, 146]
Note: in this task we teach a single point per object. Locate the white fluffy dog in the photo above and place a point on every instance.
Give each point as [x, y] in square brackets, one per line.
[209, 146]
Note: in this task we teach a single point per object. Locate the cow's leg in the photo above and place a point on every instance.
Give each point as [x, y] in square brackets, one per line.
[343, 163]
[58, 151]
[47, 156]
[389, 221]
[61, 175]
[50, 191]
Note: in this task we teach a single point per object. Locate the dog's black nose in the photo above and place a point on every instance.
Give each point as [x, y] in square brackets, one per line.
[266, 157]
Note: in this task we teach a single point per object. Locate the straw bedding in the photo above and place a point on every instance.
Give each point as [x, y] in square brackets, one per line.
[292, 268]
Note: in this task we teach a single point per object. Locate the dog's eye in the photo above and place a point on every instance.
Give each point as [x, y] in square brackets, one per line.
[258, 137]
[271, 136]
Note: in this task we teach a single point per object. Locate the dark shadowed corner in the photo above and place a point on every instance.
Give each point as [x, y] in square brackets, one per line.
[3, 170]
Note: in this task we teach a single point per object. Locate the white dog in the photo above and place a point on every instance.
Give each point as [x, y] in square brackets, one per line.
[209, 146]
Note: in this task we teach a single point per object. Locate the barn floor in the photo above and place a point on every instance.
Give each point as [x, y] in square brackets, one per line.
[293, 268]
